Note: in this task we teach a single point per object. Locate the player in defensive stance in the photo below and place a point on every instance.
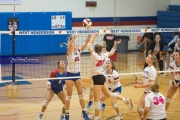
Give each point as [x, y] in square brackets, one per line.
[175, 77]
[99, 80]
[149, 74]
[55, 86]
[114, 86]
[73, 69]
[154, 104]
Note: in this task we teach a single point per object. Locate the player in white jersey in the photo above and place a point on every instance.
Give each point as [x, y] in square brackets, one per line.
[154, 104]
[114, 85]
[176, 49]
[149, 74]
[91, 87]
[73, 70]
[175, 77]
[99, 80]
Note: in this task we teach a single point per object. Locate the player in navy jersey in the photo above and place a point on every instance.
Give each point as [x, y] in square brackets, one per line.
[55, 86]
[73, 70]
[175, 77]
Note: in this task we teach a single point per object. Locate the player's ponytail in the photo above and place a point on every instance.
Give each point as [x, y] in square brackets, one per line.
[98, 48]
[155, 61]
[155, 86]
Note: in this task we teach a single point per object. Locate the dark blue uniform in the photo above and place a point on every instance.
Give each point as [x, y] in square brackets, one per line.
[57, 85]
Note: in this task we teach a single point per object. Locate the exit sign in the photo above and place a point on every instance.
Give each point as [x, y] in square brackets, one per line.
[91, 3]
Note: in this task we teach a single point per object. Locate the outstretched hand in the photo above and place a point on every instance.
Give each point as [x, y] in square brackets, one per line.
[117, 42]
[75, 36]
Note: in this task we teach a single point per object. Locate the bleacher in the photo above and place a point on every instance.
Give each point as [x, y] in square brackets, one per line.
[168, 19]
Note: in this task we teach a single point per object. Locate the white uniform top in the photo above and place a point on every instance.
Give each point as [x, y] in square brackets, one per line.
[104, 64]
[97, 62]
[149, 73]
[177, 47]
[156, 102]
[73, 60]
[112, 79]
[173, 66]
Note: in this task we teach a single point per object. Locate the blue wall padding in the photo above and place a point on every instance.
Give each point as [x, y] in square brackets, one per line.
[174, 7]
[168, 13]
[169, 19]
[34, 44]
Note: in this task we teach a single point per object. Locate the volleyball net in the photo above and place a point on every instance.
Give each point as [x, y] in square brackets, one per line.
[38, 52]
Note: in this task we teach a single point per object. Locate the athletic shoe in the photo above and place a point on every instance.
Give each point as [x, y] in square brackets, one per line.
[138, 46]
[118, 117]
[85, 115]
[169, 49]
[128, 102]
[103, 106]
[62, 117]
[67, 116]
[163, 75]
[89, 104]
[39, 117]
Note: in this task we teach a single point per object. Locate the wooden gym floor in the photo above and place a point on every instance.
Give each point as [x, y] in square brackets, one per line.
[30, 97]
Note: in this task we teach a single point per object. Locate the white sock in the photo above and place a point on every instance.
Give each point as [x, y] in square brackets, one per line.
[84, 109]
[67, 111]
[62, 114]
[41, 112]
[96, 118]
[124, 100]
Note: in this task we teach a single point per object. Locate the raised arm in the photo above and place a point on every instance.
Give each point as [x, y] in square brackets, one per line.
[91, 42]
[70, 43]
[114, 48]
[86, 42]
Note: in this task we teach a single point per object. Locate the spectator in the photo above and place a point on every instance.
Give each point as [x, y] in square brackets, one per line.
[172, 43]
[146, 39]
[156, 48]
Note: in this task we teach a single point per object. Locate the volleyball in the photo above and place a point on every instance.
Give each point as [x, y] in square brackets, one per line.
[87, 22]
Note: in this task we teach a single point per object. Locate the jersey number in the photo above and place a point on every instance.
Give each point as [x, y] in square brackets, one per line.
[158, 100]
[100, 63]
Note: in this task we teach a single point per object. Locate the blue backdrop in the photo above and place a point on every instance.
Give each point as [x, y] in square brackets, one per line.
[34, 44]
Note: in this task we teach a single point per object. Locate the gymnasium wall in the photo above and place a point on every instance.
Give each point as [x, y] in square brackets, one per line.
[175, 2]
[132, 14]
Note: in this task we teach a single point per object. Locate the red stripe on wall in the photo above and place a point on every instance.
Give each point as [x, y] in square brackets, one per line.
[79, 24]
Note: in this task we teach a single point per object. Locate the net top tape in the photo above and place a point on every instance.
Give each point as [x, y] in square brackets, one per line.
[115, 31]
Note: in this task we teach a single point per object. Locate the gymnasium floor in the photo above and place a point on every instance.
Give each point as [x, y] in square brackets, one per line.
[30, 97]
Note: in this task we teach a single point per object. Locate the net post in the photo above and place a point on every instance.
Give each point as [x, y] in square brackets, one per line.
[13, 54]
[0, 59]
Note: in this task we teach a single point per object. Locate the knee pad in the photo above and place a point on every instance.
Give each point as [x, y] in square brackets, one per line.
[113, 95]
[45, 104]
[97, 105]
[68, 98]
[81, 97]
[140, 109]
[91, 93]
[115, 106]
[168, 100]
